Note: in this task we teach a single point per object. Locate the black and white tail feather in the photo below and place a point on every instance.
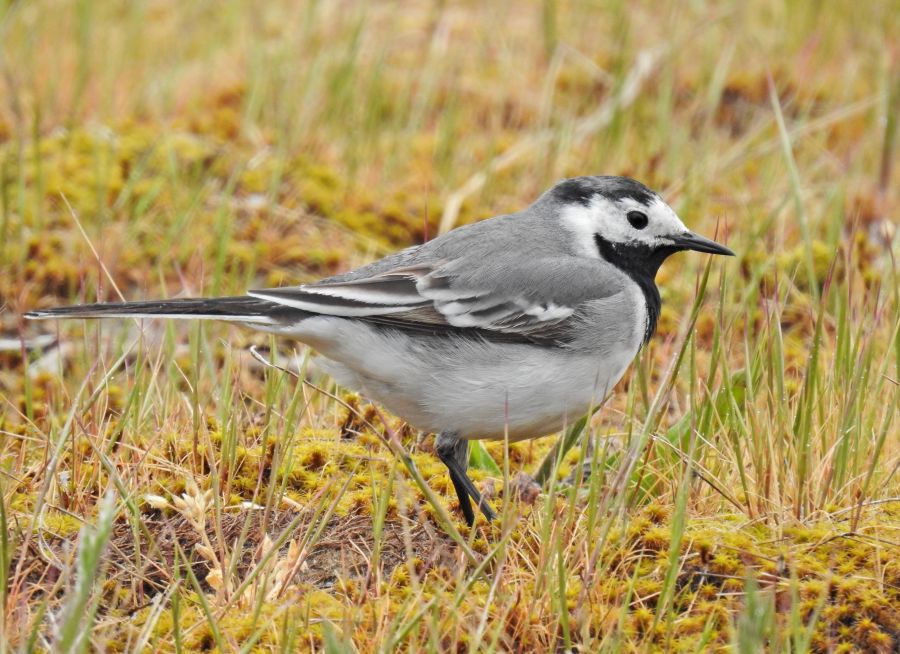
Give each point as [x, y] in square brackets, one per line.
[243, 309]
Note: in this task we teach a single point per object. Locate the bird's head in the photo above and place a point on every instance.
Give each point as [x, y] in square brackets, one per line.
[624, 222]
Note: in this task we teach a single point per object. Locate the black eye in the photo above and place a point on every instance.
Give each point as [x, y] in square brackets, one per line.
[638, 219]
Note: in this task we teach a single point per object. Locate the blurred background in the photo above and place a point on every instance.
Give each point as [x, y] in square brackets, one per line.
[161, 148]
[207, 145]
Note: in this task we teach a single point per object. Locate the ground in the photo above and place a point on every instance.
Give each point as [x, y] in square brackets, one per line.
[183, 487]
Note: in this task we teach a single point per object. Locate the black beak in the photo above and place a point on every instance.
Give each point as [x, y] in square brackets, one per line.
[692, 241]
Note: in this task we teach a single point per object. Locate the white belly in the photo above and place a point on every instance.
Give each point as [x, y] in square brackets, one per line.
[475, 389]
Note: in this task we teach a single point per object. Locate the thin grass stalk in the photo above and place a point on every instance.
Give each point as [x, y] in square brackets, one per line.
[211, 620]
[5, 560]
[80, 607]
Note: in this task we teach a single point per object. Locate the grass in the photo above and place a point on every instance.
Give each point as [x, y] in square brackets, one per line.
[163, 489]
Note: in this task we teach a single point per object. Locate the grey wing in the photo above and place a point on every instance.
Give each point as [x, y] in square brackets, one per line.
[529, 301]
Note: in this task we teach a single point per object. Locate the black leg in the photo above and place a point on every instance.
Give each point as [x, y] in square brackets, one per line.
[465, 503]
[453, 451]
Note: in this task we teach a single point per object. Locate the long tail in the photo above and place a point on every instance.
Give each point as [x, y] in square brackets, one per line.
[232, 309]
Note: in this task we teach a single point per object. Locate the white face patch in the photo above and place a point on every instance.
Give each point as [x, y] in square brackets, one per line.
[609, 218]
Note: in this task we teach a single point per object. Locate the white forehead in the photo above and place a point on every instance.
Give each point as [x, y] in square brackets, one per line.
[607, 218]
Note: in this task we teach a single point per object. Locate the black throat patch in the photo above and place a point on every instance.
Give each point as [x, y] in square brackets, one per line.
[640, 262]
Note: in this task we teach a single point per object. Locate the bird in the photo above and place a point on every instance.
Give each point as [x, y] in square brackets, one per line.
[510, 327]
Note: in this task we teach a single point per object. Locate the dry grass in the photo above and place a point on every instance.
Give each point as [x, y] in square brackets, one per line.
[746, 490]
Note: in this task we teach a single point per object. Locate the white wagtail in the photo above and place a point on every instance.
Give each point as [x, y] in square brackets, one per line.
[511, 326]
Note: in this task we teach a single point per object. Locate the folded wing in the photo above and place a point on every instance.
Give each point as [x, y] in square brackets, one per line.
[531, 302]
